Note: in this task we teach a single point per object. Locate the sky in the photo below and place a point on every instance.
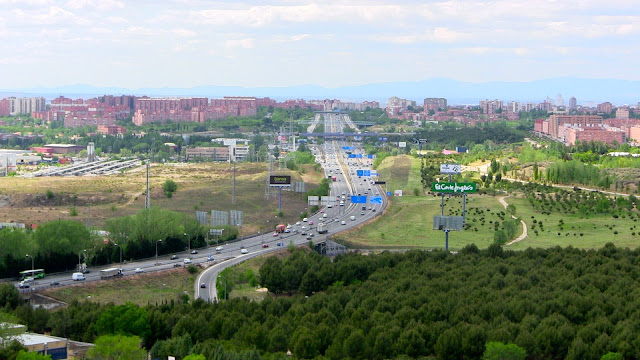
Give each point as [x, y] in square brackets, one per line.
[187, 43]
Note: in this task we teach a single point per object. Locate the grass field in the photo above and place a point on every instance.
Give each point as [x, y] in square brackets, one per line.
[141, 289]
[592, 232]
[202, 187]
[401, 173]
[409, 224]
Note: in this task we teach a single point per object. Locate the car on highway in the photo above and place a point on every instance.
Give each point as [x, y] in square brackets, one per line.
[265, 245]
[305, 220]
[174, 256]
[287, 230]
[210, 258]
[203, 286]
[194, 252]
[280, 244]
[138, 270]
[55, 283]
[244, 251]
[321, 211]
[297, 222]
[361, 212]
[187, 261]
[219, 248]
[28, 279]
[303, 233]
[309, 237]
[343, 222]
[177, 265]
[310, 222]
[275, 234]
[330, 206]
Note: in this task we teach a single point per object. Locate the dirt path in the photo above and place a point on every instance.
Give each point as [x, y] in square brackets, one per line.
[524, 225]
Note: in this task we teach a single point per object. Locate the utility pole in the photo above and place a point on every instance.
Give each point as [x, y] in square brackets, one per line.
[147, 201]
[233, 189]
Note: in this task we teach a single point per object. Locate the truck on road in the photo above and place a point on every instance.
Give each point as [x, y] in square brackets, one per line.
[110, 273]
[322, 228]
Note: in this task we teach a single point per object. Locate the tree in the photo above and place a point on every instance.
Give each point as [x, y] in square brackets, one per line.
[169, 187]
[499, 351]
[612, 356]
[117, 347]
[28, 355]
[128, 319]
[11, 350]
[9, 296]
[194, 357]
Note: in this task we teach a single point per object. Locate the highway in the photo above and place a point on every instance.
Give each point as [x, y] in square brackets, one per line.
[334, 161]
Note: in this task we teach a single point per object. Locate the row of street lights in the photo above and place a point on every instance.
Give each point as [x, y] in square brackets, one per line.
[120, 247]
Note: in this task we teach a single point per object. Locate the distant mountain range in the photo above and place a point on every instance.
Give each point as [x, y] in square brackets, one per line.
[586, 91]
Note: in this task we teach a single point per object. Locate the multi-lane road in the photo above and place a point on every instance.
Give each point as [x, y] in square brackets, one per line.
[334, 161]
[338, 218]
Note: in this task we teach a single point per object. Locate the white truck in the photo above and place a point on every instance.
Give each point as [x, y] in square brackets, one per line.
[77, 276]
[110, 273]
[322, 228]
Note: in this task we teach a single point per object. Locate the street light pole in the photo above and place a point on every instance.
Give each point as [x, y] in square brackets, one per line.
[157, 242]
[31, 261]
[189, 242]
[120, 252]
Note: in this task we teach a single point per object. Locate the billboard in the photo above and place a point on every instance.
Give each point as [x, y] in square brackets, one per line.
[450, 169]
[280, 180]
[402, 144]
[379, 182]
[458, 188]
[397, 193]
[448, 222]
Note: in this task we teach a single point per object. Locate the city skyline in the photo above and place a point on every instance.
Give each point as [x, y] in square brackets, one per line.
[190, 43]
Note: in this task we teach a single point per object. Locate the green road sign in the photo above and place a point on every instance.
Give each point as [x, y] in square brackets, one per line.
[460, 188]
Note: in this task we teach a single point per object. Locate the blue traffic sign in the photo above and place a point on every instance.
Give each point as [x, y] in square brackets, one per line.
[358, 199]
[388, 193]
[370, 156]
[363, 172]
[352, 156]
[348, 148]
[358, 156]
[375, 200]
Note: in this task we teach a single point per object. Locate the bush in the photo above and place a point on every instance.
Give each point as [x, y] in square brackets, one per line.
[192, 269]
[49, 194]
[169, 187]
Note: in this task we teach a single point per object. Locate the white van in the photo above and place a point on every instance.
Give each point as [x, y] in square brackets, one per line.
[78, 276]
[353, 218]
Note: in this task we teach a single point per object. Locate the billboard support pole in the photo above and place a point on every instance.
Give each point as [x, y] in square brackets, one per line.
[442, 205]
[464, 207]
[446, 240]
[279, 199]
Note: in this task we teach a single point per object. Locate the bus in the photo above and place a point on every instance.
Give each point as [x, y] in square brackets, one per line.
[36, 274]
